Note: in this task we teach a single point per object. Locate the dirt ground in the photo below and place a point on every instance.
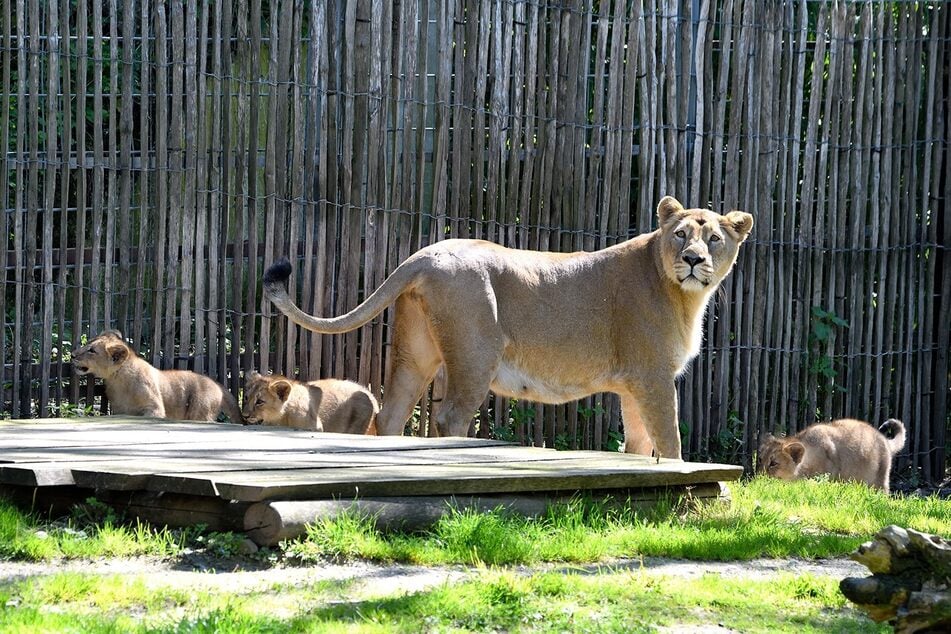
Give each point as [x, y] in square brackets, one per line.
[368, 579]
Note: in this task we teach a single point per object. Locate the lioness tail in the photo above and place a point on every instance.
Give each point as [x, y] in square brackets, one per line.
[894, 432]
[274, 287]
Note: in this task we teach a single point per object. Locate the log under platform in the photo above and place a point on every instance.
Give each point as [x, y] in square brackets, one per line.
[271, 481]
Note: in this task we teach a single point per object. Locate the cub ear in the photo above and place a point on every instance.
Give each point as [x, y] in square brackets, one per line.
[796, 451]
[280, 388]
[117, 352]
[667, 208]
[741, 223]
[252, 376]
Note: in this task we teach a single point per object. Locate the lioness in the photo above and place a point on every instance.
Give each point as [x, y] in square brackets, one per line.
[330, 405]
[846, 449]
[548, 327]
[136, 387]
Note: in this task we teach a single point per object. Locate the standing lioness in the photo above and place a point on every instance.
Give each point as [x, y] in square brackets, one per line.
[548, 327]
[331, 405]
[136, 387]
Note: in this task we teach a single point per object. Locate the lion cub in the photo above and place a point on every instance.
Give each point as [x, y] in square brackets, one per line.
[846, 449]
[329, 405]
[136, 387]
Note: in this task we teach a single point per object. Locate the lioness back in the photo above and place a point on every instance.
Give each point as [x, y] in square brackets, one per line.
[330, 405]
[845, 449]
[137, 388]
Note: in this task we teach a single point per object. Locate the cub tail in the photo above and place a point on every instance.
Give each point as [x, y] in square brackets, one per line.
[894, 432]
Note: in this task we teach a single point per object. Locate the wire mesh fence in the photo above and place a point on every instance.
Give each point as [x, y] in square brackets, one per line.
[158, 154]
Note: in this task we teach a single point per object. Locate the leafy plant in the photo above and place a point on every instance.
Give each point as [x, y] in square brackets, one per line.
[821, 334]
[92, 512]
[614, 441]
[66, 409]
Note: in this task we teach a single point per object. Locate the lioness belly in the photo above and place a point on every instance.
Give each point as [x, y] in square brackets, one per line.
[518, 382]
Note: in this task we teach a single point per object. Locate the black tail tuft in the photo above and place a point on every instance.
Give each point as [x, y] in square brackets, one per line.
[278, 273]
[891, 428]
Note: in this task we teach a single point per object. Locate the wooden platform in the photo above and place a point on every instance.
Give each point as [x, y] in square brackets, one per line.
[172, 467]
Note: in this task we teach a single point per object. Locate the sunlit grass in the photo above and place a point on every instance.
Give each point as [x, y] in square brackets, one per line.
[767, 518]
[24, 537]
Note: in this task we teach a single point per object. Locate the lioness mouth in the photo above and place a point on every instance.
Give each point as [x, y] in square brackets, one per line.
[694, 277]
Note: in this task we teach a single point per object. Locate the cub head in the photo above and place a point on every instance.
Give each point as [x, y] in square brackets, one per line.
[103, 355]
[699, 246]
[264, 398]
[780, 457]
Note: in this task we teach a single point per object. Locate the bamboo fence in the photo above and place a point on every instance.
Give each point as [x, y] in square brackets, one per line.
[158, 154]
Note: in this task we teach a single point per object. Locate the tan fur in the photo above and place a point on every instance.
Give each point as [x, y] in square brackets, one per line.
[328, 405]
[136, 387]
[549, 327]
[846, 449]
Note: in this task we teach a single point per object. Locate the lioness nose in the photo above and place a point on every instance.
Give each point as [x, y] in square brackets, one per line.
[692, 260]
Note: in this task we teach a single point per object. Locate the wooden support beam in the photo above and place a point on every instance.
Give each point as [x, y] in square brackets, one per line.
[268, 523]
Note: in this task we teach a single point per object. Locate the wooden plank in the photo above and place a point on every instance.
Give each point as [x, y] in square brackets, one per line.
[117, 430]
[146, 195]
[8, 164]
[136, 472]
[618, 472]
[181, 457]
[162, 195]
[38, 476]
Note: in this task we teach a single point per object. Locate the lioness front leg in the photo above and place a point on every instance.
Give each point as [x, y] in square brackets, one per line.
[636, 439]
[657, 407]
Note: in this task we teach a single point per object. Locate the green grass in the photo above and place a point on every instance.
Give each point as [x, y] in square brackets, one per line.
[768, 518]
[24, 537]
[494, 600]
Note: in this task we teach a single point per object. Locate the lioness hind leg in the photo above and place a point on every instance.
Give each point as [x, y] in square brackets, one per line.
[413, 361]
[472, 352]
[469, 368]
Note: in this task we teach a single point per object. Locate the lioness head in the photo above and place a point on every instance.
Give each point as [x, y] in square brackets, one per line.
[699, 246]
[103, 355]
[779, 457]
[264, 397]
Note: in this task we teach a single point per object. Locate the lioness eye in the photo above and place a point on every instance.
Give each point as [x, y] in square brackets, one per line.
[681, 234]
[714, 238]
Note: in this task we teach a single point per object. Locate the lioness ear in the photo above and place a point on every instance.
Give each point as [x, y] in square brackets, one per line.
[666, 208]
[741, 223]
[796, 451]
[117, 352]
[281, 389]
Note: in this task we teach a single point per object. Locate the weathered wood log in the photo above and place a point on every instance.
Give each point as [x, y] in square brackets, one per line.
[909, 586]
[157, 508]
[268, 523]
